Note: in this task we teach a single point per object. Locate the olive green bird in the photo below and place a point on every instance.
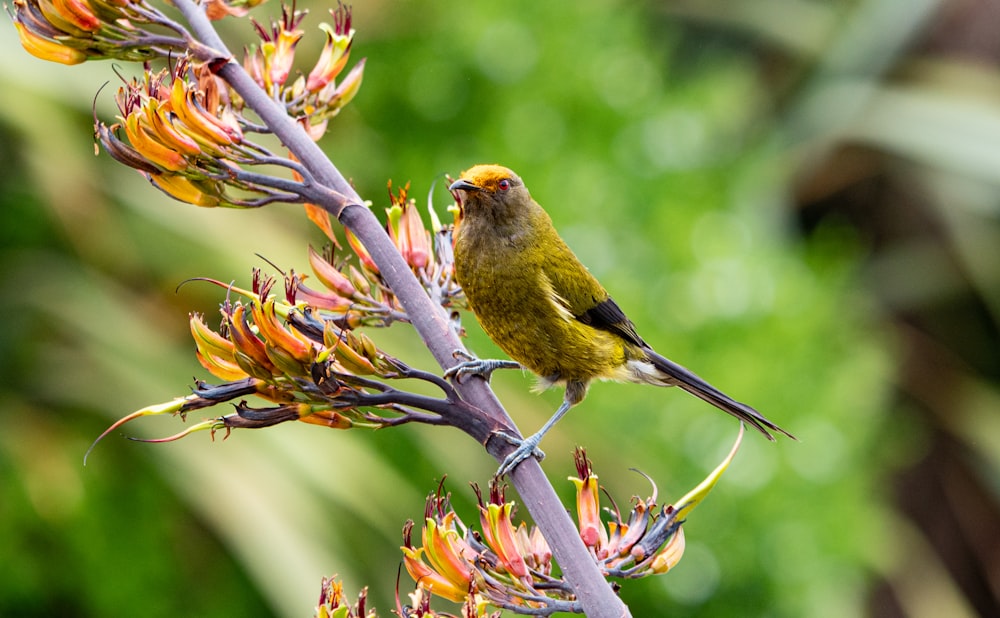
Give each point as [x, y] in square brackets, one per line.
[541, 305]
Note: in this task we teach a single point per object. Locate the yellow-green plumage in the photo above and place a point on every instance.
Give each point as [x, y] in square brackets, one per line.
[525, 287]
[541, 305]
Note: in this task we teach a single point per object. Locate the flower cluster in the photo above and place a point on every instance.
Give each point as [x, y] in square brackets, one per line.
[303, 354]
[184, 130]
[429, 253]
[309, 369]
[184, 127]
[510, 566]
[73, 31]
[333, 604]
[184, 136]
[500, 567]
[315, 98]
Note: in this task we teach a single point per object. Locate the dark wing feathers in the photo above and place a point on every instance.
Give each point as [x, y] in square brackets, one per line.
[591, 305]
[607, 315]
[584, 295]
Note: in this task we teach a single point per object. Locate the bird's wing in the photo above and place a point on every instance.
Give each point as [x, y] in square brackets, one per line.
[569, 281]
[607, 315]
[558, 302]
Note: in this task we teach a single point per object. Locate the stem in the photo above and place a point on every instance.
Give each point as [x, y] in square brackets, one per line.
[596, 597]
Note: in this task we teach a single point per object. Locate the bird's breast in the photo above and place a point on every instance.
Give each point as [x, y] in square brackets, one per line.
[516, 305]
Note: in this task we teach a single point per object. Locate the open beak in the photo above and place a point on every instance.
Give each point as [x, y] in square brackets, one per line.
[464, 185]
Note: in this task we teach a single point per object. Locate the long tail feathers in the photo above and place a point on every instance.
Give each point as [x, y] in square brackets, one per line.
[703, 390]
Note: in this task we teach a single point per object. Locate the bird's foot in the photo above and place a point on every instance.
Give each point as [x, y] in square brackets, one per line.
[477, 366]
[528, 447]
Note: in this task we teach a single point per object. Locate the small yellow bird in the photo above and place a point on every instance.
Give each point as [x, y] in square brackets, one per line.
[534, 298]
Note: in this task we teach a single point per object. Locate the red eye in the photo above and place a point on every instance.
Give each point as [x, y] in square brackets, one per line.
[504, 184]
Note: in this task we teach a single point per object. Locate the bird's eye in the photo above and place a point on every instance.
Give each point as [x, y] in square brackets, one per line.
[503, 185]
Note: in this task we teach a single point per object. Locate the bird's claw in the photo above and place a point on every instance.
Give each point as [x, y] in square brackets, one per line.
[477, 366]
[462, 354]
[528, 447]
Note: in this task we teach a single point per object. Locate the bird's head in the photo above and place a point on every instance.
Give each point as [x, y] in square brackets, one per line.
[490, 190]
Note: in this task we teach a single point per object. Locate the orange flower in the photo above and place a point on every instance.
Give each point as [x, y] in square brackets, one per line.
[588, 505]
[336, 51]
[215, 353]
[72, 31]
[47, 49]
[499, 533]
[449, 574]
[330, 276]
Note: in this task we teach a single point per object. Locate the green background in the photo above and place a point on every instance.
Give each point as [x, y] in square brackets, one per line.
[796, 199]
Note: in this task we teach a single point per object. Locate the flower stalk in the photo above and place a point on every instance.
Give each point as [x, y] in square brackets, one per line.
[509, 565]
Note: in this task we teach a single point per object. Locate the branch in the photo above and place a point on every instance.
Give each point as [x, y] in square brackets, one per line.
[430, 321]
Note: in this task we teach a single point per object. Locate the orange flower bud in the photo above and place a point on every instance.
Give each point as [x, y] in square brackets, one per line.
[215, 352]
[162, 127]
[588, 504]
[284, 55]
[204, 128]
[122, 152]
[182, 189]
[47, 49]
[360, 251]
[414, 241]
[452, 584]
[274, 332]
[328, 418]
[330, 276]
[502, 538]
[78, 13]
[319, 299]
[447, 552]
[337, 95]
[250, 352]
[332, 59]
[163, 156]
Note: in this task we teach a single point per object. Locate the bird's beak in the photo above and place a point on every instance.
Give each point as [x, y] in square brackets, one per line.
[464, 185]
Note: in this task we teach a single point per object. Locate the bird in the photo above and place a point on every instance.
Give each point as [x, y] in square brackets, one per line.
[537, 301]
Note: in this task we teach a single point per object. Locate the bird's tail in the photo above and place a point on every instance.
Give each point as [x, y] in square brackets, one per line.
[687, 380]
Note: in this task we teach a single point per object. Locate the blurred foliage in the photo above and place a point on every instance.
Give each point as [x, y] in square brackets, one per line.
[732, 175]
